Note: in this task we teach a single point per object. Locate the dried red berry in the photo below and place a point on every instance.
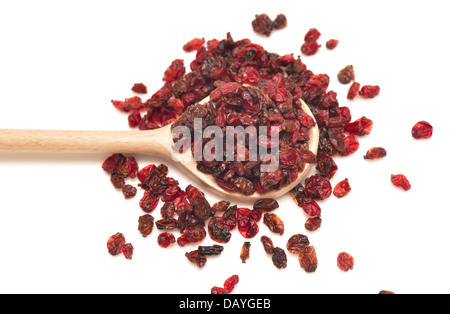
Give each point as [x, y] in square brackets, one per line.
[134, 118]
[312, 34]
[386, 292]
[422, 130]
[332, 43]
[375, 153]
[145, 226]
[165, 239]
[353, 91]
[274, 223]
[245, 251]
[318, 187]
[346, 75]
[342, 189]
[148, 202]
[351, 145]
[280, 22]
[231, 283]
[297, 243]
[196, 258]
[267, 244]
[310, 48]
[247, 227]
[174, 71]
[312, 224]
[360, 127]
[311, 208]
[262, 24]
[217, 290]
[399, 180]
[193, 44]
[128, 250]
[129, 191]
[279, 258]
[211, 249]
[345, 261]
[369, 91]
[308, 259]
[139, 88]
[115, 244]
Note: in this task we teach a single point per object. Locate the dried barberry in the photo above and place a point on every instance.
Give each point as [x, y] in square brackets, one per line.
[317, 187]
[360, 127]
[346, 75]
[145, 225]
[127, 250]
[267, 244]
[211, 250]
[386, 292]
[230, 283]
[312, 34]
[353, 91]
[247, 227]
[332, 43]
[117, 180]
[280, 22]
[369, 91]
[139, 88]
[310, 48]
[266, 204]
[399, 180]
[342, 189]
[297, 243]
[218, 230]
[193, 44]
[217, 290]
[245, 251]
[197, 258]
[262, 24]
[129, 191]
[422, 130]
[375, 153]
[345, 261]
[308, 259]
[274, 223]
[165, 239]
[279, 258]
[115, 244]
[312, 224]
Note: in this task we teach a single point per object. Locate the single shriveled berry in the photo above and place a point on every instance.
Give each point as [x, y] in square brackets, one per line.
[310, 48]
[369, 91]
[345, 261]
[342, 189]
[280, 22]
[230, 283]
[193, 44]
[422, 130]
[312, 34]
[312, 224]
[217, 290]
[128, 250]
[262, 24]
[317, 187]
[360, 127]
[353, 90]
[308, 259]
[165, 239]
[399, 180]
[115, 244]
[346, 75]
[375, 153]
[139, 88]
[332, 43]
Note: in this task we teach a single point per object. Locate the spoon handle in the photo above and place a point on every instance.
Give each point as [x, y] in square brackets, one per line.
[154, 142]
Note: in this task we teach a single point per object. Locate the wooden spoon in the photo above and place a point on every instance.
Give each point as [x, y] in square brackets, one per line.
[156, 142]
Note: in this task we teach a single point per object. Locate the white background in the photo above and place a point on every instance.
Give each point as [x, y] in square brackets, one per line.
[61, 62]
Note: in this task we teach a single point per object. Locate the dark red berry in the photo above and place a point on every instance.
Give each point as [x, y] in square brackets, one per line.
[332, 43]
[342, 189]
[345, 261]
[422, 130]
[399, 180]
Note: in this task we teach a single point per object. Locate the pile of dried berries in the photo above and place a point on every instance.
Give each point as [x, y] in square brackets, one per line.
[279, 83]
